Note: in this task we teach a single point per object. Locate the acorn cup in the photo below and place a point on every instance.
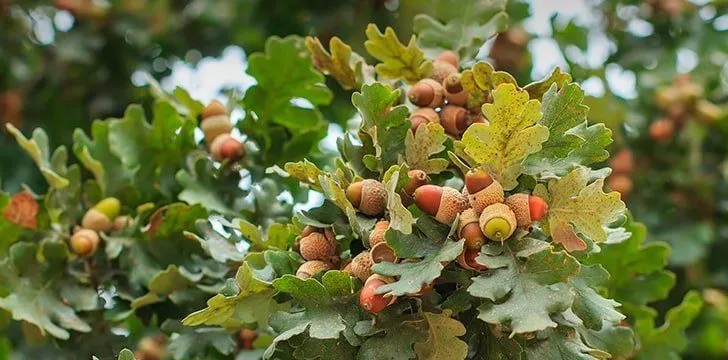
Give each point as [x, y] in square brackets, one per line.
[311, 268]
[361, 266]
[370, 300]
[454, 119]
[377, 234]
[382, 252]
[442, 203]
[482, 190]
[84, 242]
[101, 217]
[317, 246]
[426, 93]
[498, 222]
[215, 121]
[469, 229]
[369, 196]
[527, 208]
[417, 178]
[423, 116]
[441, 69]
[466, 260]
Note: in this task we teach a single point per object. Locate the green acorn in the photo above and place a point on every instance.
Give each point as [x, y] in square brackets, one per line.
[101, 217]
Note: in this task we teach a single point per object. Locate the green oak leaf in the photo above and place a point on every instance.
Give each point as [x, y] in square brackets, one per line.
[591, 307]
[384, 121]
[126, 354]
[277, 236]
[53, 167]
[180, 99]
[400, 218]
[190, 343]
[618, 341]
[527, 283]
[217, 246]
[480, 81]
[668, 340]
[347, 67]
[572, 142]
[501, 146]
[313, 349]
[413, 276]
[397, 60]
[537, 89]
[425, 240]
[428, 140]
[162, 285]
[577, 208]
[442, 342]
[460, 26]
[394, 333]
[202, 183]
[33, 295]
[561, 344]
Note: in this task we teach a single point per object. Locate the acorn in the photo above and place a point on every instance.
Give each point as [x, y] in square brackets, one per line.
[483, 190]
[382, 252]
[101, 217]
[370, 300]
[311, 268]
[454, 92]
[84, 242]
[123, 222]
[149, 348]
[498, 222]
[622, 162]
[426, 93]
[308, 230]
[527, 208]
[417, 178]
[441, 70]
[225, 147]
[448, 57]
[423, 116]
[443, 203]
[377, 234]
[662, 130]
[317, 246]
[215, 121]
[454, 119]
[620, 183]
[361, 265]
[466, 259]
[469, 229]
[707, 111]
[247, 336]
[369, 196]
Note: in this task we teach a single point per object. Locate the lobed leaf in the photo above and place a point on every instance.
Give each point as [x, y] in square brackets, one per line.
[428, 140]
[397, 60]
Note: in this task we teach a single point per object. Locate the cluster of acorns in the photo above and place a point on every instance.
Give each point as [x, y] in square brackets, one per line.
[217, 127]
[442, 99]
[103, 217]
[485, 213]
[680, 102]
[622, 164]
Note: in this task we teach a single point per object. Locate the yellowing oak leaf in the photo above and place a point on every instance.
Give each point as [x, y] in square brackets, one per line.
[347, 67]
[501, 146]
[427, 140]
[481, 80]
[577, 208]
[443, 342]
[397, 60]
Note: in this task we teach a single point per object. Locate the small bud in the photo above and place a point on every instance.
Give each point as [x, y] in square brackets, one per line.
[426, 93]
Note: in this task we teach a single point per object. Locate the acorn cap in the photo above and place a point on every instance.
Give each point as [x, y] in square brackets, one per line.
[469, 229]
[519, 205]
[216, 125]
[426, 93]
[492, 194]
[316, 246]
[452, 203]
[311, 268]
[373, 197]
[84, 242]
[361, 266]
[441, 70]
[422, 116]
[213, 109]
[498, 222]
[454, 119]
[382, 252]
[448, 57]
[466, 260]
[377, 234]
[96, 221]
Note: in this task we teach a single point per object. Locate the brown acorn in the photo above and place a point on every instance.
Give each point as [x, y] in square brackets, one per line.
[448, 57]
[622, 162]
[469, 229]
[361, 265]
[441, 70]
[662, 130]
[247, 336]
[417, 178]
[377, 234]
[225, 147]
[498, 222]
[150, 348]
[466, 259]
[443, 203]
[527, 208]
[382, 252]
[423, 116]
[370, 300]
[316, 246]
[369, 196]
[454, 92]
[84, 242]
[454, 119]
[620, 183]
[311, 268]
[483, 190]
[101, 217]
[426, 93]
[215, 108]
[215, 126]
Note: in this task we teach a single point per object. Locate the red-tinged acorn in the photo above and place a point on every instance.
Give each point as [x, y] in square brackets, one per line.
[84, 242]
[426, 93]
[370, 300]
[482, 190]
[469, 229]
[454, 92]
[620, 183]
[454, 119]
[527, 208]
[498, 222]
[317, 246]
[225, 147]
[622, 162]
[448, 57]
[423, 116]
[311, 268]
[662, 130]
[443, 203]
[247, 336]
[417, 178]
[369, 196]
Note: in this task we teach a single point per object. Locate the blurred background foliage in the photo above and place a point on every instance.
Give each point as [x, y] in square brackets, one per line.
[65, 63]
